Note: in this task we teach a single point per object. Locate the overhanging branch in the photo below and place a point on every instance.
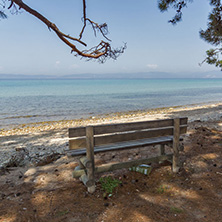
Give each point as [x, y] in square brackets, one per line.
[103, 49]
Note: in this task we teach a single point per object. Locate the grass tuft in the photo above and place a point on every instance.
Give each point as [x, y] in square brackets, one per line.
[109, 184]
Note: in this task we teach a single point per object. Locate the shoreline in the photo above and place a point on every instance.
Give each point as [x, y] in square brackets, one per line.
[41, 143]
[127, 116]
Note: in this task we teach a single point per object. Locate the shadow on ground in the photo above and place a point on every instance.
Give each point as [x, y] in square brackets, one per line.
[49, 193]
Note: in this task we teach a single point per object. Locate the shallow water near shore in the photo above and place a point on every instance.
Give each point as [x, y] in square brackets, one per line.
[30, 101]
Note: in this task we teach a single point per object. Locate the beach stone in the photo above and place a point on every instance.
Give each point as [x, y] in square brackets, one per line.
[30, 172]
[45, 142]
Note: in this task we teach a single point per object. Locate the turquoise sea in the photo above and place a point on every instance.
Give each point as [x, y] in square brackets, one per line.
[26, 101]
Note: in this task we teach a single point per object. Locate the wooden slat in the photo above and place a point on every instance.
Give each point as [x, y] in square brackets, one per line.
[125, 127]
[122, 127]
[85, 162]
[77, 143]
[77, 132]
[114, 138]
[115, 166]
[124, 145]
[132, 163]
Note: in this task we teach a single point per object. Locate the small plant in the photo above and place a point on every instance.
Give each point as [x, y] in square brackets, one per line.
[161, 189]
[176, 210]
[108, 185]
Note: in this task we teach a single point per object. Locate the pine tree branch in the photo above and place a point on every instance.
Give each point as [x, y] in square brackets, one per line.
[103, 49]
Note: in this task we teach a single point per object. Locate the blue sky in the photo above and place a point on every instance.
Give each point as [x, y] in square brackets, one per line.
[28, 47]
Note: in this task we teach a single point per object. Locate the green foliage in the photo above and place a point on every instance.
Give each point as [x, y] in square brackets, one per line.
[213, 33]
[109, 184]
[178, 5]
[213, 57]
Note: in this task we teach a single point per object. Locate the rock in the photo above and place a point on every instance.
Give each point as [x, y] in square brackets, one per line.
[30, 172]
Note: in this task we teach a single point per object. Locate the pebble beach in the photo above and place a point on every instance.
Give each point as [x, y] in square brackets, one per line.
[42, 142]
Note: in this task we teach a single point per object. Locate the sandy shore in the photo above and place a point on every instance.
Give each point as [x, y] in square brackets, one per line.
[39, 143]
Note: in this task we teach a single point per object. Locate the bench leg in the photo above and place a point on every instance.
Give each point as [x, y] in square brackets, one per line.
[91, 177]
[176, 139]
[90, 157]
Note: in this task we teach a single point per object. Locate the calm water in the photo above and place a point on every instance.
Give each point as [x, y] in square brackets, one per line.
[25, 101]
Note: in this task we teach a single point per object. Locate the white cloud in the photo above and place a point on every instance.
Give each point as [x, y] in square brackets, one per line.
[1, 68]
[152, 66]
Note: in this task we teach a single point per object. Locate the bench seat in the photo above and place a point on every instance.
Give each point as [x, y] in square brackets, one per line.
[124, 145]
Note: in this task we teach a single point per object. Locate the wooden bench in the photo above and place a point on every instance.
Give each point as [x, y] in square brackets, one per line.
[88, 140]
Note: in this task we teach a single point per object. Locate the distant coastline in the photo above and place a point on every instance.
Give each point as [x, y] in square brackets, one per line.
[139, 75]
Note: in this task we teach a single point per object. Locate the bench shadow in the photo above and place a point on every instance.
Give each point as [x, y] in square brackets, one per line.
[51, 194]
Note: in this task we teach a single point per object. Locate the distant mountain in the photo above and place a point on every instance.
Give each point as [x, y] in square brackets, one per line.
[23, 77]
[148, 75]
[121, 76]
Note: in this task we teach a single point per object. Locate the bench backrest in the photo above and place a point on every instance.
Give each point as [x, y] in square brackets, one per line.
[113, 133]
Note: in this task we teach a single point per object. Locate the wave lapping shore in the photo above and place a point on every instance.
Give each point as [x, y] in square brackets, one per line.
[40, 143]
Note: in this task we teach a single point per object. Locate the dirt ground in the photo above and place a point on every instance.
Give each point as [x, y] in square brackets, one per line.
[49, 193]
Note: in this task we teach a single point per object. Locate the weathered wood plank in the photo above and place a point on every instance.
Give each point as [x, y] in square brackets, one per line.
[131, 136]
[176, 138]
[132, 163]
[122, 127]
[90, 156]
[77, 143]
[124, 145]
[77, 132]
[114, 138]
[134, 126]
[125, 127]
[115, 166]
[85, 162]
